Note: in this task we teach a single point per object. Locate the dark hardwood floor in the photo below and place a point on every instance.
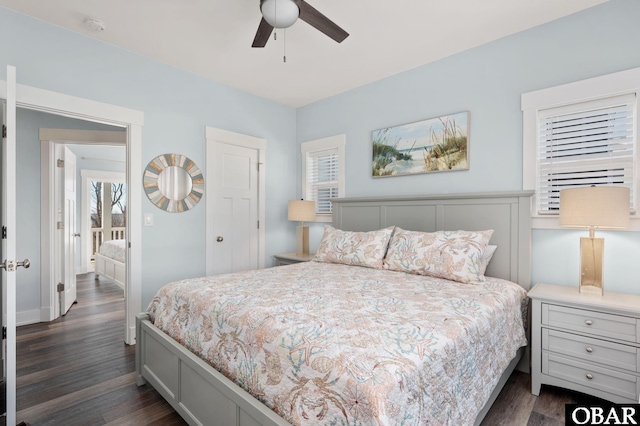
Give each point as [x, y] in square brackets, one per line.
[78, 371]
[516, 405]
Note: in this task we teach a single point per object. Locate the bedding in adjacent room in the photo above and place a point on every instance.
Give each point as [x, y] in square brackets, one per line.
[323, 343]
[114, 249]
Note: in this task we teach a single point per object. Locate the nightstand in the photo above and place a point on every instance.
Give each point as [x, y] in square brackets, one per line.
[586, 343]
[291, 258]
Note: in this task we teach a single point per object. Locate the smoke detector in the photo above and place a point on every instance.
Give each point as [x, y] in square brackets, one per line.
[95, 25]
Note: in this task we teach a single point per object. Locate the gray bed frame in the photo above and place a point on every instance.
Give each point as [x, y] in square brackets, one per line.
[203, 396]
[110, 268]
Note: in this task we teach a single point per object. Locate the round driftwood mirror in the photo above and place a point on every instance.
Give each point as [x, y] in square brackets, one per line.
[173, 183]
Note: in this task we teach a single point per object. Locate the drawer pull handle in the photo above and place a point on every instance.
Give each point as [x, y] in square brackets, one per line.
[589, 350]
[588, 322]
[589, 376]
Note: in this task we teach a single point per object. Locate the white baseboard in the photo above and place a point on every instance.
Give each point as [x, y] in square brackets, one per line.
[28, 317]
[47, 314]
[130, 338]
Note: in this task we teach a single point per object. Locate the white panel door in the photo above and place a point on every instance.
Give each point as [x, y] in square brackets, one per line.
[9, 281]
[235, 217]
[68, 295]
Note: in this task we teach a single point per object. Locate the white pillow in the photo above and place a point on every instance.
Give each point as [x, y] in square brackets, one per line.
[486, 257]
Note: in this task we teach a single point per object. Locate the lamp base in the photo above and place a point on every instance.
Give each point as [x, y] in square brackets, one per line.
[591, 254]
[302, 240]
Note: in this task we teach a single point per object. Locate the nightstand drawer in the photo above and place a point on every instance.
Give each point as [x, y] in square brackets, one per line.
[590, 322]
[606, 380]
[607, 354]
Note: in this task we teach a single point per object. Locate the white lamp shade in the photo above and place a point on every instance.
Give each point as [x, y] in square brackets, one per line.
[302, 210]
[280, 13]
[595, 206]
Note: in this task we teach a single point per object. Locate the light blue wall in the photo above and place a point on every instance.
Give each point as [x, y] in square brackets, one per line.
[488, 81]
[177, 106]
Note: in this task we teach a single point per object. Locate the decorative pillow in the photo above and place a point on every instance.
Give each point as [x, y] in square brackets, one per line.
[453, 255]
[354, 248]
[486, 257]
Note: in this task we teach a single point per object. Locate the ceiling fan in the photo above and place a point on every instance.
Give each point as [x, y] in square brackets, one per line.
[283, 13]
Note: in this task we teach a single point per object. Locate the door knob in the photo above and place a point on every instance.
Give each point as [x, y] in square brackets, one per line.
[11, 265]
[219, 239]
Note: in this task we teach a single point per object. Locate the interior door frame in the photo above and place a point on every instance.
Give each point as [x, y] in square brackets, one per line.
[213, 136]
[84, 109]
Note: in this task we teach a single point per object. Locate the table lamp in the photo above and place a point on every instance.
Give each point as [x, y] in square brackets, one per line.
[303, 211]
[602, 207]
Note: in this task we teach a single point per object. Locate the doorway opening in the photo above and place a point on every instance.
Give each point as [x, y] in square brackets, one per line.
[103, 158]
[107, 208]
[100, 224]
[59, 104]
[105, 222]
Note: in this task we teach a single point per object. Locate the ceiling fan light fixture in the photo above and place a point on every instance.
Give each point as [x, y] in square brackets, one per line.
[280, 13]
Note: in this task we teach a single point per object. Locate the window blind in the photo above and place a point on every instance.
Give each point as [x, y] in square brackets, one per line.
[322, 178]
[584, 144]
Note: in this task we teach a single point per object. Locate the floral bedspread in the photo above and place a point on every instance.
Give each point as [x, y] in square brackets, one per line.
[334, 344]
[114, 249]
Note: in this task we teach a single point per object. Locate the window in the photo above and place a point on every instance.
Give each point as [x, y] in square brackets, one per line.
[323, 173]
[589, 143]
[107, 223]
[580, 134]
[118, 195]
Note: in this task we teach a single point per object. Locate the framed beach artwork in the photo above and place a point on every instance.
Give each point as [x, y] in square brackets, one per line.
[435, 145]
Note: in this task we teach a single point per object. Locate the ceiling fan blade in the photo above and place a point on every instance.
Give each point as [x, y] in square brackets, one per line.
[262, 35]
[320, 22]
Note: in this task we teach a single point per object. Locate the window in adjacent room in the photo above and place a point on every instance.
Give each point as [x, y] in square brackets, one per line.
[323, 173]
[107, 223]
[580, 134]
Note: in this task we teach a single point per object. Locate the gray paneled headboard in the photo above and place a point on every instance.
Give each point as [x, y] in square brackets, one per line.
[507, 213]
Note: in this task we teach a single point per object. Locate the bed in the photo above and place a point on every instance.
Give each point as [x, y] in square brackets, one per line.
[330, 383]
[110, 261]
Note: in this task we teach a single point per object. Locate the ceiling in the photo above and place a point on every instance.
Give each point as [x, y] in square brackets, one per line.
[212, 38]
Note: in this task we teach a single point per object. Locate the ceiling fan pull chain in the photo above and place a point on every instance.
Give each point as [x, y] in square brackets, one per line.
[284, 43]
[275, 14]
